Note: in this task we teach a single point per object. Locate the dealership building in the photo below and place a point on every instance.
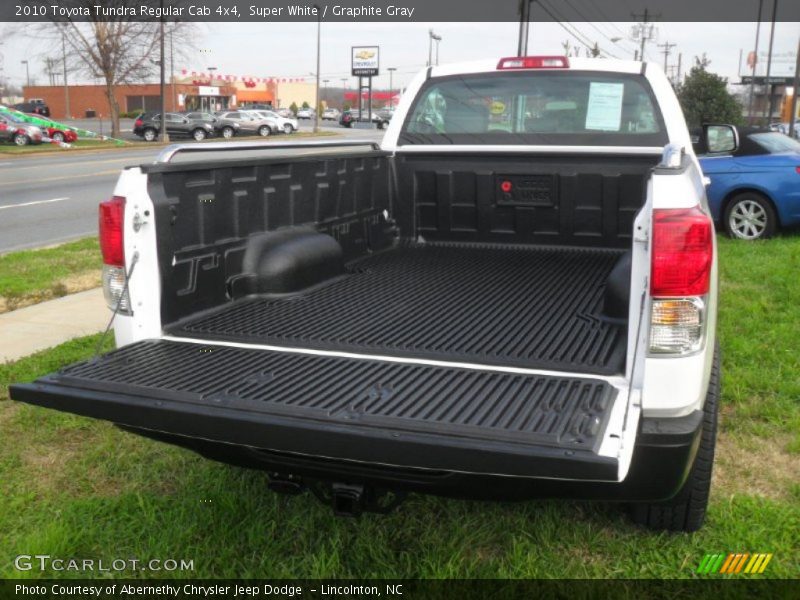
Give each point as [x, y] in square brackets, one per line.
[188, 92]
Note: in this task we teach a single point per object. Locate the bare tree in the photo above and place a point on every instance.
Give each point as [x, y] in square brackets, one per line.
[115, 50]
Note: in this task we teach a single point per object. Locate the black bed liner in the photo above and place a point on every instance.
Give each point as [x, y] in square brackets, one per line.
[387, 412]
[536, 307]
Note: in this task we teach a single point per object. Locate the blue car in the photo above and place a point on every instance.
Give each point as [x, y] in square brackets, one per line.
[754, 190]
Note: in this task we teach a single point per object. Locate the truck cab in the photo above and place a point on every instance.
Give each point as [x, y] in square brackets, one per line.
[514, 295]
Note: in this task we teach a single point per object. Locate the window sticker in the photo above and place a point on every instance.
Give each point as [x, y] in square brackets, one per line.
[604, 110]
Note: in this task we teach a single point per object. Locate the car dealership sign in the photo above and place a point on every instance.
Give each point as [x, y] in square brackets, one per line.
[365, 61]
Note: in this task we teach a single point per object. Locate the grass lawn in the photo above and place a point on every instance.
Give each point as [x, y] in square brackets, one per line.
[76, 487]
[8, 150]
[31, 276]
[12, 150]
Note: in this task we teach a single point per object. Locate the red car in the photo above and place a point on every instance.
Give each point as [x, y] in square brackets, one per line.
[61, 135]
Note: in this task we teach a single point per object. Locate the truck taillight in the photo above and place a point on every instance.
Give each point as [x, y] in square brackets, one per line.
[682, 252]
[533, 62]
[682, 255]
[112, 246]
[112, 241]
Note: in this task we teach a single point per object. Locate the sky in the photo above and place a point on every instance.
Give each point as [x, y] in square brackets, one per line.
[289, 49]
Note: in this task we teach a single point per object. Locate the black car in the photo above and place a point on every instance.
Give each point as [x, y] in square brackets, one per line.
[34, 107]
[351, 116]
[148, 126]
[226, 128]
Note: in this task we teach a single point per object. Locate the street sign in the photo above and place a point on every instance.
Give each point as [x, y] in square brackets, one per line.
[365, 61]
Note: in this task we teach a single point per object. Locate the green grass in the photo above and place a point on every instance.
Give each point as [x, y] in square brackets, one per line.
[78, 487]
[30, 276]
[12, 150]
[8, 150]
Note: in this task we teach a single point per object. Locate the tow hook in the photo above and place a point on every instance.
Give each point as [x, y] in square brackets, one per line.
[353, 499]
[347, 499]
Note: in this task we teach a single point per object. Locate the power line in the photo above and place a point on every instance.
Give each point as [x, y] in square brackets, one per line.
[591, 24]
[577, 34]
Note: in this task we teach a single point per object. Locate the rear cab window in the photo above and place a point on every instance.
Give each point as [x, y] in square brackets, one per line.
[578, 108]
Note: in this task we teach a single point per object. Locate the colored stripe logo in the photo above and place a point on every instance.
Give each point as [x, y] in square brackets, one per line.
[734, 563]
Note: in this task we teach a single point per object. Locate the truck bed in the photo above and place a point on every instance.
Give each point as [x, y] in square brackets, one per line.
[535, 307]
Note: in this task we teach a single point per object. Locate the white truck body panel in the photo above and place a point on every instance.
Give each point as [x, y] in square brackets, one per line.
[652, 386]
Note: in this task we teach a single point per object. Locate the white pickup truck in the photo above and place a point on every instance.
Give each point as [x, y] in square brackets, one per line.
[513, 296]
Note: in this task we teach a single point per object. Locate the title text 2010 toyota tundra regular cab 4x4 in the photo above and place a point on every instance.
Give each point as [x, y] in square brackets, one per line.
[513, 296]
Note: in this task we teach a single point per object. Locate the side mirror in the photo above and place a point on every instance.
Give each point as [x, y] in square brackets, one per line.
[720, 139]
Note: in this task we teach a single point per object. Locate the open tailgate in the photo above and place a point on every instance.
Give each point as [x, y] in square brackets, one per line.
[378, 411]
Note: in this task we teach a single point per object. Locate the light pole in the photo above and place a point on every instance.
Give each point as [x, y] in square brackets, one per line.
[27, 72]
[316, 91]
[324, 90]
[211, 82]
[164, 135]
[431, 38]
[391, 86]
[64, 58]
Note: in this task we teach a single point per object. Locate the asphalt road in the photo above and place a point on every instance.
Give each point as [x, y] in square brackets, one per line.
[53, 197]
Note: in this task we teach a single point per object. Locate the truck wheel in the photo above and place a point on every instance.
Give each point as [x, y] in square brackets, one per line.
[750, 216]
[227, 132]
[20, 139]
[150, 134]
[264, 131]
[687, 510]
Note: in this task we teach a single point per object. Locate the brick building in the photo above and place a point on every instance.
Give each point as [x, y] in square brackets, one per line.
[90, 100]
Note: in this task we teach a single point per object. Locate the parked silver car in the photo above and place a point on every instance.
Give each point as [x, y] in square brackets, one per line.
[250, 124]
[285, 124]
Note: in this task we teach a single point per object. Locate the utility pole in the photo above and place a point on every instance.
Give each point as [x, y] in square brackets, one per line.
[524, 26]
[645, 29]
[769, 61]
[172, 66]
[793, 111]
[753, 67]
[27, 72]
[678, 75]
[667, 47]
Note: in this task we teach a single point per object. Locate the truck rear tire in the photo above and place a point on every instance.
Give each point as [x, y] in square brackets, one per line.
[687, 510]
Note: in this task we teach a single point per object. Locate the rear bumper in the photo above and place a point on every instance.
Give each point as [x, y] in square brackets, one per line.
[663, 455]
[662, 458]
